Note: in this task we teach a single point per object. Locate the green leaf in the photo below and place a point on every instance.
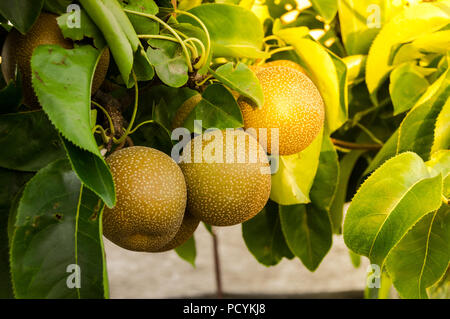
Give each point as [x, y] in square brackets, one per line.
[327, 9]
[406, 87]
[122, 48]
[187, 251]
[93, 171]
[441, 289]
[142, 66]
[161, 103]
[87, 29]
[416, 132]
[264, 238]
[62, 81]
[388, 151]
[356, 69]
[273, 9]
[217, 109]
[10, 184]
[437, 42]
[143, 25]
[325, 185]
[289, 34]
[440, 164]
[57, 6]
[357, 33]
[208, 228]
[242, 80]
[10, 97]
[169, 61]
[31, 140]
[292, 182]
[412, 23]
[188, 4]
[154, 135]
[421, 258]
[307, 230]
[57, 225]
[346, 166]
[393, 199]
[225, 24]
[329, 74]
[442, 129]
[114, 7]
[355, 259]
[21, 13]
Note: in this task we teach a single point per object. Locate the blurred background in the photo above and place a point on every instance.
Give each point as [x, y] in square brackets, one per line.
[165, 275]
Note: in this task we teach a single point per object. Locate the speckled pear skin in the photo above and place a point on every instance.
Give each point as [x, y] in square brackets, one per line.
[292, 103]
[151, 199]
[286, 63]
[187, 229]
[226, 194]
[184, 110]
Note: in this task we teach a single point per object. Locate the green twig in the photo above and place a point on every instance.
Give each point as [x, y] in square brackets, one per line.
[171, 30]
[192, 48]
[203, 57]
[272, 37]
[355, 146]
[141, 124]
[111, 125]
[282, 49]
[102, 131]
[370, 134]
[204, 80]
[205, 29]
[445, 200]
[133, 116]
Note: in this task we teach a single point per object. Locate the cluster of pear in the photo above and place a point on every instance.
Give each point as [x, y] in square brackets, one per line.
[160, 203]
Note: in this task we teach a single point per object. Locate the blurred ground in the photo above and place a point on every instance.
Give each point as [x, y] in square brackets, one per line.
[165, 275]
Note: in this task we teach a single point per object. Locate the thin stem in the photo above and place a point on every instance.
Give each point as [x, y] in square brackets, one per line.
[276, 38]
[355, 146]
[217, 269]
[133, 116]
[111, 125]
[208, 37]
[140, 124]
[359, 115]
[203, 56]
[168, 27]
[157, 36]
[282, 49]
[204, 81]
[193, 49]
[105, 137]
[369, 133]
[445, 200]
[341, 149]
